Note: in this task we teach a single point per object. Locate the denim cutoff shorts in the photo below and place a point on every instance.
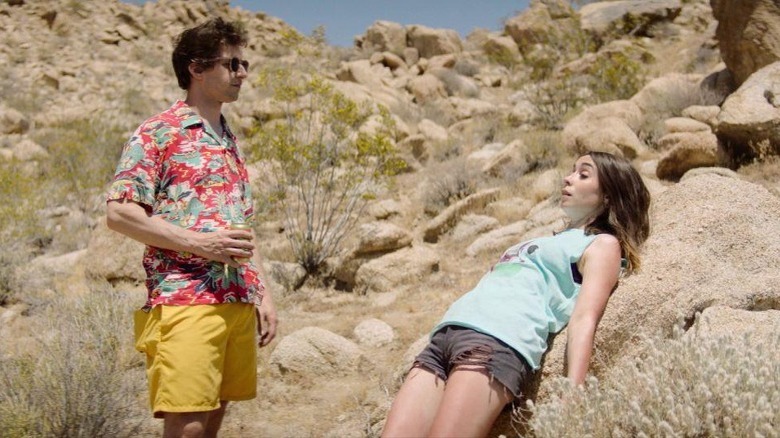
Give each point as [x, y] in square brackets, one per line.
[455, 345]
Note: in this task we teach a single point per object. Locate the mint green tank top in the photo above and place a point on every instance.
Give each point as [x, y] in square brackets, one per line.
[527, 295]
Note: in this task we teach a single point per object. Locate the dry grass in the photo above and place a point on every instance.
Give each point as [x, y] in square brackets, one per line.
[765, 172]
[685, 386]
[80, 378]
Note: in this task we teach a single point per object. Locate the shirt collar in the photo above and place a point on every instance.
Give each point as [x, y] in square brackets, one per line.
[190, 118]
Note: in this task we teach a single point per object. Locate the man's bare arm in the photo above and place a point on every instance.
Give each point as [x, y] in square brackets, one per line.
[133, 220]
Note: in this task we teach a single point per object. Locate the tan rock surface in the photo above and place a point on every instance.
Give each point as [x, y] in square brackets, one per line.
[748, 34]
[685, 151]
[314, 351]
[397, 270]
[749, 119]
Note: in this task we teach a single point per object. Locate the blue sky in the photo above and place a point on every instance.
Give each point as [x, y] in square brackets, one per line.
[343, 19]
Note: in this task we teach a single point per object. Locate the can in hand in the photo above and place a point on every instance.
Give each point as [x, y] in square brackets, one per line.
[241, 226]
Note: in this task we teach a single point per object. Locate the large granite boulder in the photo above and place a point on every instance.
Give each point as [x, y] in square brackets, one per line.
[384, 36]
[635, 17]
[542, 22]
[749, 120]
[113, 257]
[431, 42]
[396, 270]
[748, 34]
[609, 127]
[316, 352]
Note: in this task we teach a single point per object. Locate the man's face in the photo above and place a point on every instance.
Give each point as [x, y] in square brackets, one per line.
[220, 82]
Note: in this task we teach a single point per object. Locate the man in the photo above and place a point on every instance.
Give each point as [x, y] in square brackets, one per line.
[180, 185]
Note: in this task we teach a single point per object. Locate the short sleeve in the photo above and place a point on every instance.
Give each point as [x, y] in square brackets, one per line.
[138, 172]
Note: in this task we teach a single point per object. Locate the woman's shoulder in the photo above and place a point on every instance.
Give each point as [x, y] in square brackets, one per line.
[604, 245]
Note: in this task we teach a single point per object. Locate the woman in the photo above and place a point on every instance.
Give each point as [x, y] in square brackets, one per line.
[492, 339]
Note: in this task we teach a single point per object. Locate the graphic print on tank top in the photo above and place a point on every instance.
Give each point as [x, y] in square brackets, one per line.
[515, 254]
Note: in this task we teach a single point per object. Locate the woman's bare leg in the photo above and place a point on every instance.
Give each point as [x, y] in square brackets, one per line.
[471, 403]
[415, 405]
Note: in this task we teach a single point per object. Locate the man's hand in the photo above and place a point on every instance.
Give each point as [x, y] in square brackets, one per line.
[224, 246]
[266, 321]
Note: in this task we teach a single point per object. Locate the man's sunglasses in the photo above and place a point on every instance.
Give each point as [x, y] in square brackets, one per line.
[231, 63]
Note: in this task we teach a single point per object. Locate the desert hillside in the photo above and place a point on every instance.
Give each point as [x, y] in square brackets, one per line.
[474, 136]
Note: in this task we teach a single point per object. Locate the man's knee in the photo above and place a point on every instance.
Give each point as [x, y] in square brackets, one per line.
[185, 424]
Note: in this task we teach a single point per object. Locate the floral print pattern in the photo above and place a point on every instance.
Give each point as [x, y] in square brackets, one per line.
[176, 166]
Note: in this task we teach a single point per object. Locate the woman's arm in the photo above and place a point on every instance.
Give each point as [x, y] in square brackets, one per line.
[600, 267]
[134, 221]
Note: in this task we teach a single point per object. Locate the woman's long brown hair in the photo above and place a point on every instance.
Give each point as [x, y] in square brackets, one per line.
[626, 206]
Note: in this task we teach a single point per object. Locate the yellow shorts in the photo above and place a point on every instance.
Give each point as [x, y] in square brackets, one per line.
[198, 355]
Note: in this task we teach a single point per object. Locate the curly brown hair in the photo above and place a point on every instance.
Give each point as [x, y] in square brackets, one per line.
[202, 44]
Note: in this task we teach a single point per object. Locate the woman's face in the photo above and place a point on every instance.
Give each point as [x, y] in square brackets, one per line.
[581, 197]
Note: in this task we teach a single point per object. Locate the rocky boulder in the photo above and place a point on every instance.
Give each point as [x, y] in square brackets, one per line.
[450, 216]
[685, 151]
[543, 21]
[707, 114]
[500, 48]
[609, 127]
[383, 36]
[373, 333]
[381, 237]
[426, 88]
[719, 321]
[363, 72]
[748, 34]
[431, 42]
[316, 353]
[668, 95]
[634, 17]
[113, 257]
[472, 225]
[749, 121]
[399, 269]
[13, 121]
[384, 209]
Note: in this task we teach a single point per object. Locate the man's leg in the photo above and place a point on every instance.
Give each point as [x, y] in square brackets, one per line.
[194, 424]
[185, 424]
[215, 420]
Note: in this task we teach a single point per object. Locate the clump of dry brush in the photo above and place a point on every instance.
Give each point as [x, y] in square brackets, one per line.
[686, 386]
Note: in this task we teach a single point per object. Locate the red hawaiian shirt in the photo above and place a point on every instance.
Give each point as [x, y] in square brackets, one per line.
[178, 167]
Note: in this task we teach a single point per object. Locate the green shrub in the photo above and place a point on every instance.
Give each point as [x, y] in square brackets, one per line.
[686, 386]
[557, 48]
[324, 168]
[616, 76]
[81, 378]
[555, 100]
